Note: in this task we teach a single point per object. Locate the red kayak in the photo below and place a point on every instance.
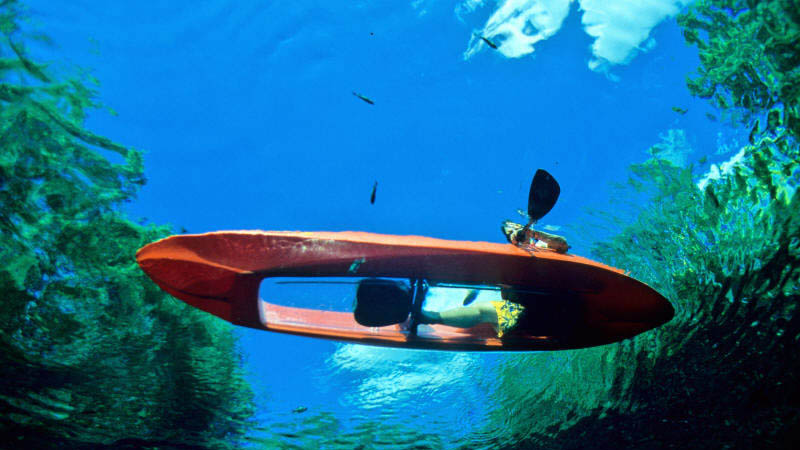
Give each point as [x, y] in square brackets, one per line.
[221, 273]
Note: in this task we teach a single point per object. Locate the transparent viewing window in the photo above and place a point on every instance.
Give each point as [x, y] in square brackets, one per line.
[322, 293]
[339, 293]
[326, 307]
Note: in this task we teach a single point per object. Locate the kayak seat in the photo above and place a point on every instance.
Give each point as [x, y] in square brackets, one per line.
[381, 302]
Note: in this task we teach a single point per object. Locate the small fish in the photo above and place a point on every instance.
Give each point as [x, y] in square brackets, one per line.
[300, 409]
[372, 196]
[487, 41]
[711, 117]
[703, 160]
[364, 97]
[471, 296]
[680, 111]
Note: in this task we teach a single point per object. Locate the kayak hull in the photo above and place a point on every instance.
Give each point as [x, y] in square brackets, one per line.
[221, 272]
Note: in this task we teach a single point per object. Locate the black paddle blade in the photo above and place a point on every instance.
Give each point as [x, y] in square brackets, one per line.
[543, 195]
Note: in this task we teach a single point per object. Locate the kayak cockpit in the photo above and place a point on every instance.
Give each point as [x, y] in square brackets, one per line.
[324, 308]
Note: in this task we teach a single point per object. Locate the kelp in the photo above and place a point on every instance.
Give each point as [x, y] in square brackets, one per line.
[724, 249]
[93, 352]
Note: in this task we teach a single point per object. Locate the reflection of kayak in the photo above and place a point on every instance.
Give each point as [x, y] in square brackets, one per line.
[221, 272]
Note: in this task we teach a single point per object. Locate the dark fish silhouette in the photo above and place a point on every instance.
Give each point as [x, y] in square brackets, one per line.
[372, 196]
[300, 409]
[487, 41]
[364, 97]
[471, 296]
[679, 110]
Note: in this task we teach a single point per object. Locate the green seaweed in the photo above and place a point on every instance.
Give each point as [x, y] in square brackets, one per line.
[750, 66]
[93, 352]
[724, 372]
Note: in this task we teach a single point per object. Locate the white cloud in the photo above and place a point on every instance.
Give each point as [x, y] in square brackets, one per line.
[621, 28]
[519, 24]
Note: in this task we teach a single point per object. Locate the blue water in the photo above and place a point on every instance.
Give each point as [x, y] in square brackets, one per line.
[246, 115]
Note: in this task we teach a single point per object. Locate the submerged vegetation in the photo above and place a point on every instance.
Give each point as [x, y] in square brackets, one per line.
[93, 352]
[750, 65]
[724, 249]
